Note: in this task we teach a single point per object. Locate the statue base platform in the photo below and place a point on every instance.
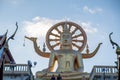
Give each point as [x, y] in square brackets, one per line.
[65, 75]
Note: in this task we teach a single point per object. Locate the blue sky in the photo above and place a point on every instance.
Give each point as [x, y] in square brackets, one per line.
[97, 17]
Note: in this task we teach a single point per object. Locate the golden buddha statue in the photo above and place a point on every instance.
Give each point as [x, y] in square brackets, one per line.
[68, 59]
[66, 41]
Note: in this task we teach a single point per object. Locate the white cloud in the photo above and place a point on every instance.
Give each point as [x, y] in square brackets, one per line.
[88, 27]
[92, 11]
[39, 26]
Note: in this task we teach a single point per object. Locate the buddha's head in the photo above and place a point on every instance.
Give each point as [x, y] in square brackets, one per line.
[66, 38]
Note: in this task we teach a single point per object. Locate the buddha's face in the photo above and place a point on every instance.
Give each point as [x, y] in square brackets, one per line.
[66, 39]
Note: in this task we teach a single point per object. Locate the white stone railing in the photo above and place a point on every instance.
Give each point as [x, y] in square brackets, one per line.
[100, 70]
[16, 68]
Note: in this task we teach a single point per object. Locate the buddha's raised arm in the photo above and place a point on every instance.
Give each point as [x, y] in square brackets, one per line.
[90, 55]
[37, 50]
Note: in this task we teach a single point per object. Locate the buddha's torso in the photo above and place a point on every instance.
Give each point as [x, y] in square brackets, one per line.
[66, 60]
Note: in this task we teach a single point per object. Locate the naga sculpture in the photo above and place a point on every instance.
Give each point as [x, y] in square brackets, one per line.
[11, 37]
[114, 43]
[66, 41]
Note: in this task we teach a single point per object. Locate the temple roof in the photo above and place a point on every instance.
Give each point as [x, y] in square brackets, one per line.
[8, 56]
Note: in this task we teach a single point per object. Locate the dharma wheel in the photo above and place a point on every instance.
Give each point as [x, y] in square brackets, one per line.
[79, 37]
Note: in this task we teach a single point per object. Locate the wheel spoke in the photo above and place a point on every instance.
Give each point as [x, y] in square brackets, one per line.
[74, 31]
[58, 30]
[78, 41]
[75, 45]
[77, 35]
[53, 46]
[54, 35]
[54, 39]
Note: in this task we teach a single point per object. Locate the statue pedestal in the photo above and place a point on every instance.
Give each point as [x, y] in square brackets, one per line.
[65, 75]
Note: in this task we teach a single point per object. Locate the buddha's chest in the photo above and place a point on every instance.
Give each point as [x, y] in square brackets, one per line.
[68, 55]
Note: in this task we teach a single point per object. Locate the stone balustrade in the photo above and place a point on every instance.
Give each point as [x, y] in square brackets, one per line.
[103, 70]
[16, 68]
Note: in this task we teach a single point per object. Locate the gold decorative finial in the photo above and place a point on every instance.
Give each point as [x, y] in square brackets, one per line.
[44, 49]
[87, 49]
[24, 42]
